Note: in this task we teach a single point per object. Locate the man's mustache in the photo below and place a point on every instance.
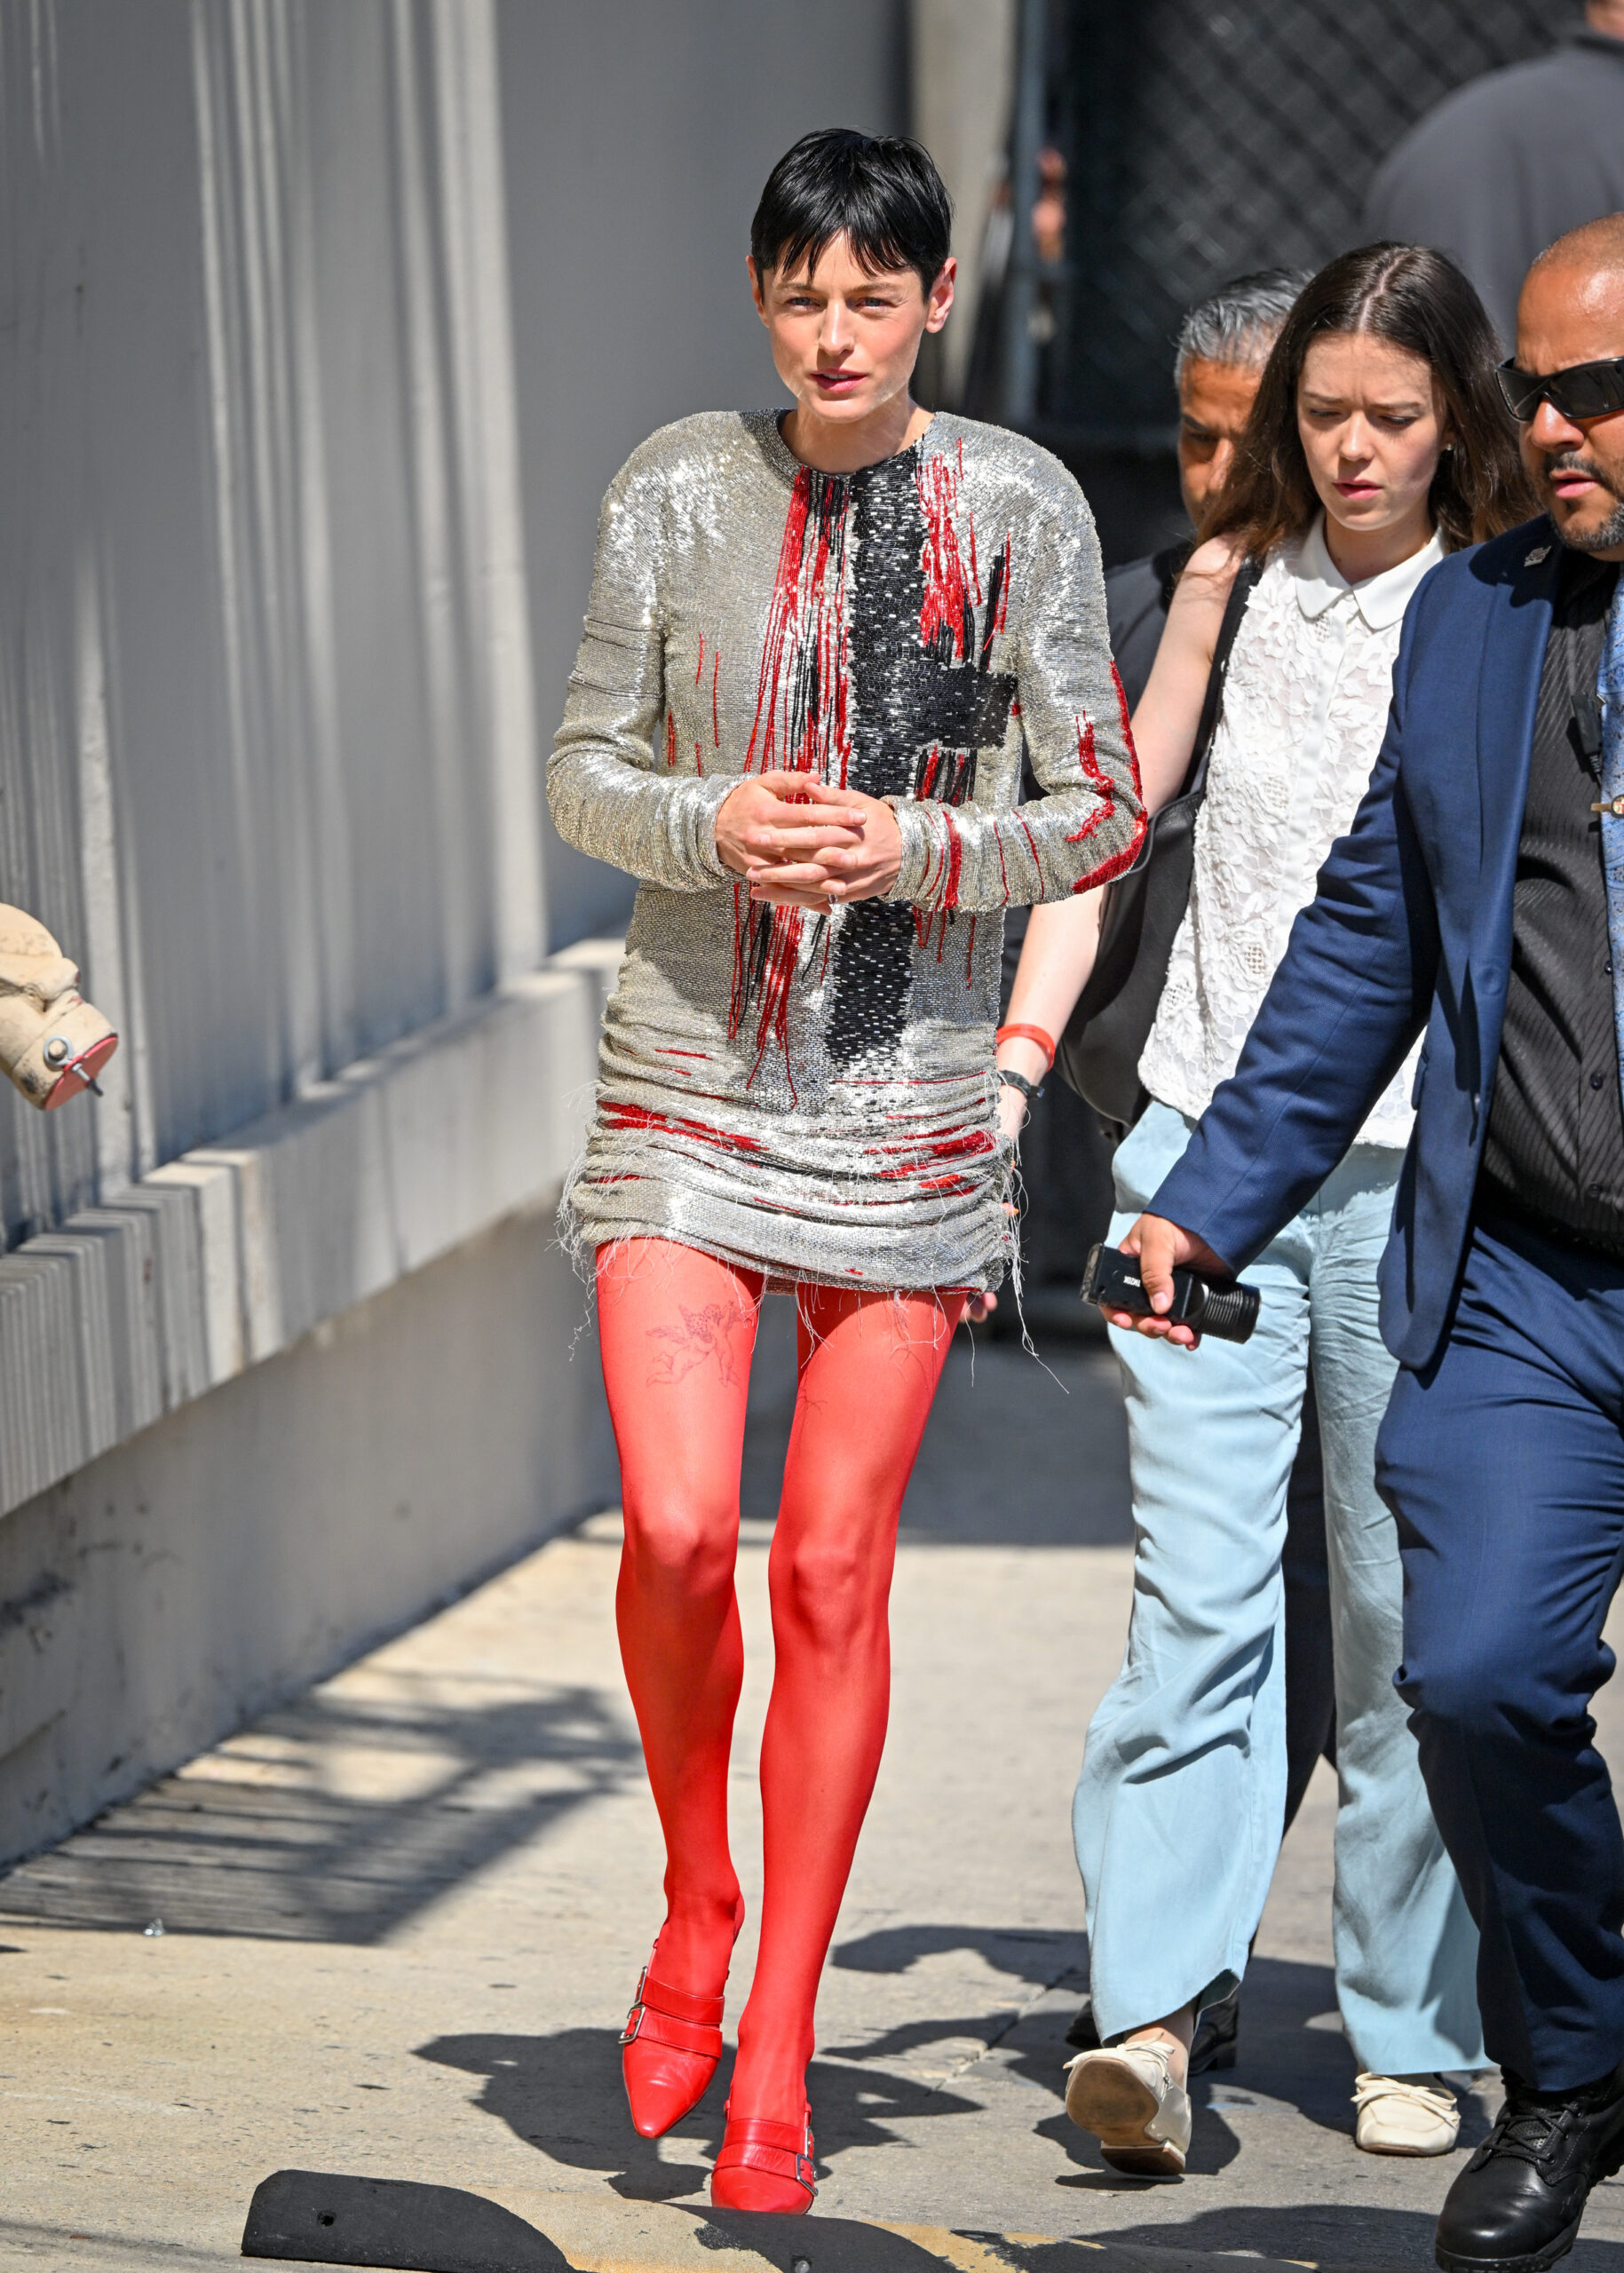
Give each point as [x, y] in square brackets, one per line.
[1575, 461]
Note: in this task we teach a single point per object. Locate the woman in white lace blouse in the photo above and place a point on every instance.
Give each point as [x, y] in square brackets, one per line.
[1376, 443]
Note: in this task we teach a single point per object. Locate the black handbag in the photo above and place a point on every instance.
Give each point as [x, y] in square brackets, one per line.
[1105, 1035]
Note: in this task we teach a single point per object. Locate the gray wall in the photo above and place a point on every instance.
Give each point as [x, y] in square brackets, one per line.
[266, 754]
[251, 1541]
[637, 135]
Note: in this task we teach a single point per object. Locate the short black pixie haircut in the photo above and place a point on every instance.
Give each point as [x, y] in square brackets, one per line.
[881, 191]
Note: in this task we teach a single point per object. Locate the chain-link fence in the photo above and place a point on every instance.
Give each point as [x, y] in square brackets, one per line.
[1205, 137]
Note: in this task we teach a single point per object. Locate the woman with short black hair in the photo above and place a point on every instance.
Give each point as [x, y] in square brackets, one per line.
[814, 643]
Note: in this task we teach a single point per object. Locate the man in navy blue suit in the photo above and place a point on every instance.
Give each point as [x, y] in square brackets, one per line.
[1480, 895]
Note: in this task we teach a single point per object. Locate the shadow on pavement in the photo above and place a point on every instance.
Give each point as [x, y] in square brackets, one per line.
[1026, 1951]
[1330, 2233]
[271, 1838]
[563, 2093]
[1292, 2050]
[1066, 1487]
[1029, 2038]
[836, 2245]
[1033, 2049]
[1291, 2045]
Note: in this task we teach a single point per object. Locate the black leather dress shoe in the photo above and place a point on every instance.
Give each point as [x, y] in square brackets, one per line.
[1217, 2036]
[1516, 2207]
[1082, 2033]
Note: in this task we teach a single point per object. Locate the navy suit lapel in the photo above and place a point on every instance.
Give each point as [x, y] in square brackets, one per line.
[1508, 692]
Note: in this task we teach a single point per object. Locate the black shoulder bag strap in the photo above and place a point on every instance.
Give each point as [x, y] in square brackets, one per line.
[1212, 704]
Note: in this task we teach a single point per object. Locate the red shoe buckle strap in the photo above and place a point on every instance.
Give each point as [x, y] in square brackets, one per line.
[776, 2150]
[662, 2014]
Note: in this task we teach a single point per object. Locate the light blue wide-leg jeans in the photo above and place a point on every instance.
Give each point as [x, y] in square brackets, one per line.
[1179, 1808]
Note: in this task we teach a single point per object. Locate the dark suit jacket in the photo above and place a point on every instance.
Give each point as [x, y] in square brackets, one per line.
[1411, 928]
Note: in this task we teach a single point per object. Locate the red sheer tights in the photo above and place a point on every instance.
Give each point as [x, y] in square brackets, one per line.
[677, 1330]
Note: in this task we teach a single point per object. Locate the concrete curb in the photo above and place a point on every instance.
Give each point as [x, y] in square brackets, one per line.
[325, 2218]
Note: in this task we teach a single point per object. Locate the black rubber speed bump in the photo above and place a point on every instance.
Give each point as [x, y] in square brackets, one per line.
[321, 2218]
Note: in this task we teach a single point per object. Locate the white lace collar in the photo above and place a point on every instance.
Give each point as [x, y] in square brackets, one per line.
[1381, 599]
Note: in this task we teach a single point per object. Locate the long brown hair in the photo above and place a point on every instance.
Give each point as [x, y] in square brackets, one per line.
[1419, 300]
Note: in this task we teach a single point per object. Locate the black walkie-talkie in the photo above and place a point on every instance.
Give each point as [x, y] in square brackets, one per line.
[1228, 1312]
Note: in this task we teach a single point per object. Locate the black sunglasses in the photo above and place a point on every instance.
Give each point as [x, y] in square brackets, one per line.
[1583, 391]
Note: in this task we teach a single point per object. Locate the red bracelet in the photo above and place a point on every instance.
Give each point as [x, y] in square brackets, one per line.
[1044, 1042]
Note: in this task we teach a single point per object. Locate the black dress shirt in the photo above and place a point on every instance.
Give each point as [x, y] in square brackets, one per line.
[1138, 597]
[1554, 1147]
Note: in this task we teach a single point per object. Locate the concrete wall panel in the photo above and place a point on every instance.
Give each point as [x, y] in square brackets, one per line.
[259, 1537]
[224, 1257]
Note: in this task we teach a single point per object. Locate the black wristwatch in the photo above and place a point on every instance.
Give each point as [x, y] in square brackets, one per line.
[1031, 1091]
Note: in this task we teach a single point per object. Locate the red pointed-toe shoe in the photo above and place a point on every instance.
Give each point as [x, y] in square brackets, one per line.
[763, 2165]
[671, 2045]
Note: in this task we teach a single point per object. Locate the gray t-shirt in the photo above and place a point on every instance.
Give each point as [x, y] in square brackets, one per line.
[1508, 164]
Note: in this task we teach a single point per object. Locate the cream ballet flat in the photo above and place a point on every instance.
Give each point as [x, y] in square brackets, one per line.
[1395, 2118]
[1127, 2097]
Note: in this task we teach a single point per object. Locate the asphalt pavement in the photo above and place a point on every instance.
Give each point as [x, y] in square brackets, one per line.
[402, 1917]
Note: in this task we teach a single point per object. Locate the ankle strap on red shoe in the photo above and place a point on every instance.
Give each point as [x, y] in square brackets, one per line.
[677, 2004]
[777, 2149]
[666, 2014]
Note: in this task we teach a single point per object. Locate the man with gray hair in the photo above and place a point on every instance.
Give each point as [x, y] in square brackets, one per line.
[1222, 346]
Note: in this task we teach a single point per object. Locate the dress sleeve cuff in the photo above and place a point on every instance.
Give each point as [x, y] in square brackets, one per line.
[702, 801]
[918, 845]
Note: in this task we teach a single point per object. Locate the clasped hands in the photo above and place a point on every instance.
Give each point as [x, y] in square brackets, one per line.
[802, 843]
